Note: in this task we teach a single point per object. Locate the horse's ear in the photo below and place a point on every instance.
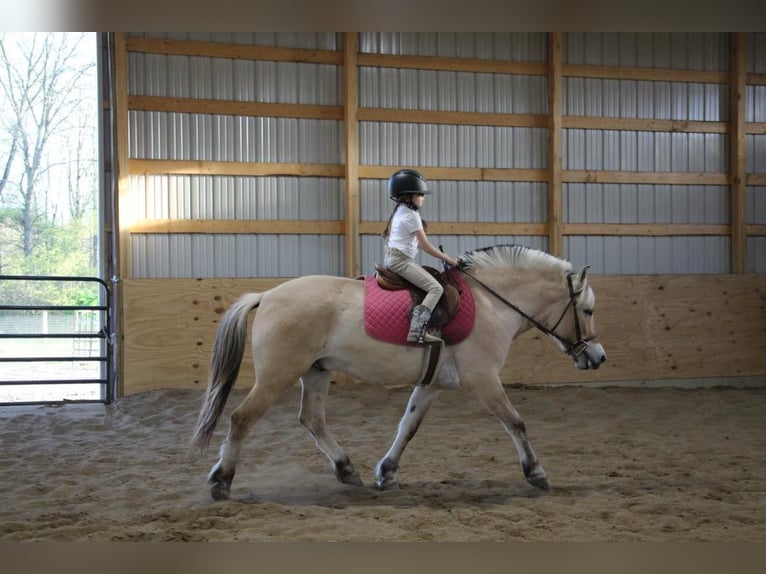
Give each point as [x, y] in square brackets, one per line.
[582, 276]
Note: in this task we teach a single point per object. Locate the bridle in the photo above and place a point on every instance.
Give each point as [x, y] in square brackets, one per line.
[573, 349]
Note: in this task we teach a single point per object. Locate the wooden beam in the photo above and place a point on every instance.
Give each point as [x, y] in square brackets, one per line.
[738, 148]
[122, 204]
[238, 226]
[756, 79]
[649, 177]
[122, 169]
[465, 228]
[758, 229]
[350, 110]
[555, 160]
[231, 51]
[195, 167]
[451, 64]
[756, 179]
[758, 128]
[233, 108]
[460, 173]
[644, 125]
[452, 118]
[644, 229]
[644, 74]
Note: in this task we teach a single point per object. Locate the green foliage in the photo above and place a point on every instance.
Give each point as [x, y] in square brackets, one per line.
[67, 250]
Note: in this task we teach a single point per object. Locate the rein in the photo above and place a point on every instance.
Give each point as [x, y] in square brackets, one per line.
[573, 349]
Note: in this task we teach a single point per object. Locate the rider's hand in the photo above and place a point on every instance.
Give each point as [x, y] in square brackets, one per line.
[451, 261]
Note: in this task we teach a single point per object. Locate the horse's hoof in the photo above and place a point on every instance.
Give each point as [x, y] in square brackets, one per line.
[220, 491]
[352, 479]
[540, 482]
[347, 474]
[387, 483]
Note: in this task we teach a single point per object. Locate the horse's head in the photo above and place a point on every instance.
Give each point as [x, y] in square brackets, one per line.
[575, 330]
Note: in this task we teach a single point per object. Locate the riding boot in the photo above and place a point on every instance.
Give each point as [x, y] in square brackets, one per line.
[418, 333]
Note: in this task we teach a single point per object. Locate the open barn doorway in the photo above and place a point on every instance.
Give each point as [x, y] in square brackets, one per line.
[56, 305]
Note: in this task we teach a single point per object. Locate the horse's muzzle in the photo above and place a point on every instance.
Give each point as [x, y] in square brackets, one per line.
[591, 357]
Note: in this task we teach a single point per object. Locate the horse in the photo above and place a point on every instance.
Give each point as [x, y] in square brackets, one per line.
[310, 326]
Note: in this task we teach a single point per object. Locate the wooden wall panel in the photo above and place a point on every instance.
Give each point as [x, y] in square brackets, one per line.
[652, 327]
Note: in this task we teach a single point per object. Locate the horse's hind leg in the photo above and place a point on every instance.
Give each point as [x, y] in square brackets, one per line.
[316, 385]
[255, 405]
[493, 396]
[417, 407]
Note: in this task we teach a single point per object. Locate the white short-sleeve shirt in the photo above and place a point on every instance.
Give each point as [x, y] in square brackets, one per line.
[405, 223]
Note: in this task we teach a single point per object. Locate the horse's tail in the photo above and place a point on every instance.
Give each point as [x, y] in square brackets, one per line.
[228, 350]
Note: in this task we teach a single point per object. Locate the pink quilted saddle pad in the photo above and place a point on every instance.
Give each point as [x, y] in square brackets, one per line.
[385, 313]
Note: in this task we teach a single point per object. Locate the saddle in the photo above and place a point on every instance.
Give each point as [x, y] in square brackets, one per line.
[448, 304]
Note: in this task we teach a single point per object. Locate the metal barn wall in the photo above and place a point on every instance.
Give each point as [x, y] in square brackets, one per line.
[401, 144]
[235, 151]
[159, 135]
[755, 111]
[209, 137]
[647, 152]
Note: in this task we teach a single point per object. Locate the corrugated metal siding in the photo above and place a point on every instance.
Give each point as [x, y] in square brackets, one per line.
[459, 201]
[649, 255]
[755, 110]
[402, 144]
[510, 46]
[205, 137]
[372, 246]
[302, 40]
[238, 80]
[197, 255]
[676, 50]
[452, 91]
[647, 151]
[179, 197]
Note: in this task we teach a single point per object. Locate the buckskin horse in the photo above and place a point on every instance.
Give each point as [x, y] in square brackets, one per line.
[310, 326]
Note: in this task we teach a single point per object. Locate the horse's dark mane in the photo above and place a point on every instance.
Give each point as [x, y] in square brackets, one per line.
[515, 256]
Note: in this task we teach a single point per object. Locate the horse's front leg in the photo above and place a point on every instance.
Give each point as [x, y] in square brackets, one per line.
[489, 390]
[417, 407]
[316, 385]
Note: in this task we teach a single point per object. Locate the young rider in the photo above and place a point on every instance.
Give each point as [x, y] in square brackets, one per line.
[405, 233]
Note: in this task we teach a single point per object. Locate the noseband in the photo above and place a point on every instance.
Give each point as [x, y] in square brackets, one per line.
[574, 349]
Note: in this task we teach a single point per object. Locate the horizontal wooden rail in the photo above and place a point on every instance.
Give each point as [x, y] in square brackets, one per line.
[458, 173]
[238, 168]
[238, 226]
[306, 227]
[231, 51]
[454, 118]
[465, 228]
[234, 108]
[452, 64]
[644, 229]
[648, 177]
[195, 167]
[644, 125]
[435, 117]
[644, 74]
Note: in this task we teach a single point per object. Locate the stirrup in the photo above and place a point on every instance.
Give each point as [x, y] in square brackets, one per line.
[427, 338]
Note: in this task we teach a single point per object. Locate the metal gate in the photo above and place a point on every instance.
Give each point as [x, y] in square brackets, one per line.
[33, 335]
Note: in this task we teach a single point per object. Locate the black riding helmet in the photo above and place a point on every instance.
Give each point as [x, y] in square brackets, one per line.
[405, 182]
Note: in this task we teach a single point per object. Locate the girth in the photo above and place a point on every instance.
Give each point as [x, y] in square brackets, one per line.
[448, 304]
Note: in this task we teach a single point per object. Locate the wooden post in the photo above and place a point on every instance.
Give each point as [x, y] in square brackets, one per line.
[555, 209]
[350, 108]
[738, 144]
[121, 204]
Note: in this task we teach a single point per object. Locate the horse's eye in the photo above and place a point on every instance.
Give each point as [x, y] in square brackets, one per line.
[588, 312]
